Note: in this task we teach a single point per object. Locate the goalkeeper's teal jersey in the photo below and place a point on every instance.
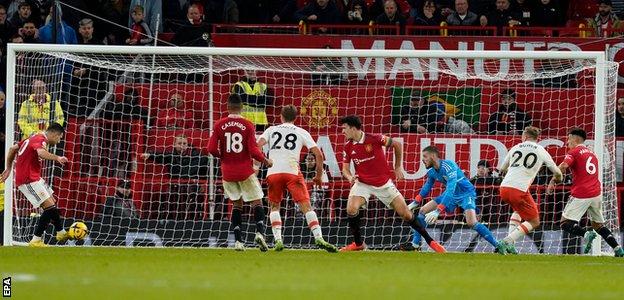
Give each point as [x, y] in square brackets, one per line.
[456, 184]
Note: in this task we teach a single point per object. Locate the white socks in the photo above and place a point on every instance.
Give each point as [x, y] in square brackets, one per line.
[314, 225]
[519, 232]
[514, 222]
[276, 225]
[311, 218]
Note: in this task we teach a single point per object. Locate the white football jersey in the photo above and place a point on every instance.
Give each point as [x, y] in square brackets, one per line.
[524, 161]
[285, 142]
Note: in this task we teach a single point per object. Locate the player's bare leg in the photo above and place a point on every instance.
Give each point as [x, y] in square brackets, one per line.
[353, 213]
[315, 227]
[520, 230]
[428, 207]
[259, 217]
[605, 233]
[276, 225]
[236, 222]
[471, 220]
[52, 215]
[400, 207]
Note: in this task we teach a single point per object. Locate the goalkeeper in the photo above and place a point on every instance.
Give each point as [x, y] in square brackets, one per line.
[459, 192]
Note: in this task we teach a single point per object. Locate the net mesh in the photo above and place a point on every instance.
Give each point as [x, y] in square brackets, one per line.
[138, 128]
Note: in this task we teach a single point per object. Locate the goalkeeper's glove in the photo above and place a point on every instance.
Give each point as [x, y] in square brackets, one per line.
[432, 217]
[414, 205]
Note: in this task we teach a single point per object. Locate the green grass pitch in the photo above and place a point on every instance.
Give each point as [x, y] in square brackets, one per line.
[149, 273]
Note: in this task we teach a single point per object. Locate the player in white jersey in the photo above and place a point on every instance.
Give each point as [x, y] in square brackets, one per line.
[521, 165]
[285, 142]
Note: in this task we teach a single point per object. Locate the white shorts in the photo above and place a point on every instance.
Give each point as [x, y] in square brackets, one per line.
[576, 208]
[385, 193]
[249, 189]
[36, 192]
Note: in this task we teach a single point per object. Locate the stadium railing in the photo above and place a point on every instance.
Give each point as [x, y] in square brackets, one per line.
[515, 31]
[258, 28]
[416, 30]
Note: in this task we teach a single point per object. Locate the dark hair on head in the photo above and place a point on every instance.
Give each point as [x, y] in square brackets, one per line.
[235, 103]
[352, 120]
[235, 99]
[432, 149]
[578, 132]
[25, 3]
[289, 113]
[55, 127]
[29, 21]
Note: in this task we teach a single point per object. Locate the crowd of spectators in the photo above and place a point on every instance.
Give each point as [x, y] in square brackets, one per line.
[135, 22]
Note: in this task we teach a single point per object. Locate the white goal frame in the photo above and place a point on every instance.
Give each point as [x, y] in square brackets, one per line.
[598, 57]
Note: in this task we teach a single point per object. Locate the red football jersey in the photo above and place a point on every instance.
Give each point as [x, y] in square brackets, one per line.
[584, 167]
[369, 159]
[234, 142]
[28, 163]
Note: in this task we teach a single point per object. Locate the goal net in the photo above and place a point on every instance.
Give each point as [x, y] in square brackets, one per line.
[138, 120]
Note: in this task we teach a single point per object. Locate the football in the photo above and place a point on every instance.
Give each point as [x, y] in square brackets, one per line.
[78, 231]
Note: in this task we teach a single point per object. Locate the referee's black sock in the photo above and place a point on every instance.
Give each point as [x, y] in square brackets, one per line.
[354, 225]
[44, 220]
[415, 224]
[573, 228]
[606, 234]
[259, 217]
[237, 220]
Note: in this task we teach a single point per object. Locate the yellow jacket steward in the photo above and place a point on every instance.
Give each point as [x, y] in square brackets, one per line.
[33, 117]
[255, 100]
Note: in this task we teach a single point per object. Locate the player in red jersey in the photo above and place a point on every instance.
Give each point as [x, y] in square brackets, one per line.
[372, 177]
[234, 141]
[586, 194]
[28, 179]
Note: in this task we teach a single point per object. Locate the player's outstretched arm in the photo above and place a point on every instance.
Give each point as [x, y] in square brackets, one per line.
[505, 167]
[9, 162]
[44, 154]
[446, 197]
[254, 150]
[398, 159]
[346, 172]
[426, 189]
[558, 172]
[318, 155]
[261, 143]
[562, 168]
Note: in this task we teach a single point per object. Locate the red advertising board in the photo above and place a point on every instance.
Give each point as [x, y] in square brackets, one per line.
[467, 43]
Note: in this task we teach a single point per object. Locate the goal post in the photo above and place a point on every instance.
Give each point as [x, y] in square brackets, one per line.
[465, 88]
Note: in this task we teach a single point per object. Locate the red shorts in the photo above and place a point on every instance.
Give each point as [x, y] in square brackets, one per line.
[294, 183]
[521, 202]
